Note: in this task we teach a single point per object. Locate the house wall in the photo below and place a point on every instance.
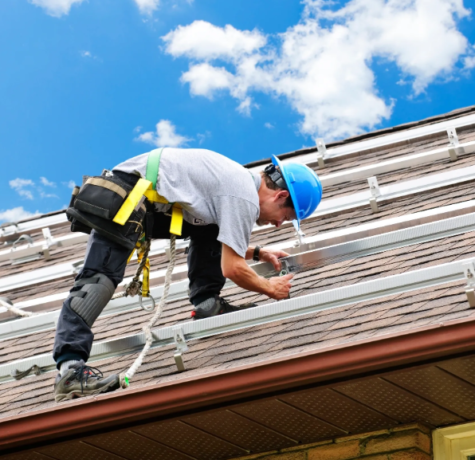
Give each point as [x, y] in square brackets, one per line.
[409, 442]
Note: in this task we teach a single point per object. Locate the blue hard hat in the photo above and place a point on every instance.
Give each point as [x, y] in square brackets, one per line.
[304, 187]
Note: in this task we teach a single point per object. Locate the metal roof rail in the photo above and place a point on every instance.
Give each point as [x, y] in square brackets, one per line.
[284, 309]
[396, 190]
[33, 251]
[384, 140]
[7, 231]
[362, 247]
[396, 164]
[41, 249]
[313, 242]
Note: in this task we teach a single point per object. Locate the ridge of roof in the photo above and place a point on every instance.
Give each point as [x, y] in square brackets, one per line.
[368, 135]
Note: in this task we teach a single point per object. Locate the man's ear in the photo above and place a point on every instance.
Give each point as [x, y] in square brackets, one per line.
[282, 196]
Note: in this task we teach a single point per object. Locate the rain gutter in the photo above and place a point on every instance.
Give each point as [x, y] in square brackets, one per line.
[198, 393]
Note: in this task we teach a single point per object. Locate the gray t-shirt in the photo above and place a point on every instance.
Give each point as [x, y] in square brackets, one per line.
[211, 188]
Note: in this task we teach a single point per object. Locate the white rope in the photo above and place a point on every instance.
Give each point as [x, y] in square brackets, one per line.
[16, 311]
[125, 378]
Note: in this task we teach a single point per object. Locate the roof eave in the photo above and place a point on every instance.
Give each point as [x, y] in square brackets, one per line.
[143, 404]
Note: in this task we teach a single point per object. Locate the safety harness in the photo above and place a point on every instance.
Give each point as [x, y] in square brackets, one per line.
[148, 188]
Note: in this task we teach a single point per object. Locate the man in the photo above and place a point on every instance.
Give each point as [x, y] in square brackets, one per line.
[221, 201]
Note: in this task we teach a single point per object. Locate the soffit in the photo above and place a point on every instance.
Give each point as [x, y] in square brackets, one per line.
[436, 394]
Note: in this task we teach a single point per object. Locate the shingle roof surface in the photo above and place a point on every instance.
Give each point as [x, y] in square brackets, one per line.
[316, 331]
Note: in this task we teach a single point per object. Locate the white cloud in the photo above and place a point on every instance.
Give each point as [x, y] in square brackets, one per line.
[269, 125]
[322, 65]
[22, 187]
[46, 182]
[56, 8]
[147, 6]
[205, 79]
[202, 40]
[15, 214]
[165, 135]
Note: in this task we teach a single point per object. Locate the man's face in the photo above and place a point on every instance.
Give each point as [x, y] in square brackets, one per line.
[273, 211]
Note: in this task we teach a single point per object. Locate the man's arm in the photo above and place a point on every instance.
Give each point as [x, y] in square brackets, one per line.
[236, 269]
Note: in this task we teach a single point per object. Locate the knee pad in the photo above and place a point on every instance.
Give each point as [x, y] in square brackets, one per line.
[90, 296]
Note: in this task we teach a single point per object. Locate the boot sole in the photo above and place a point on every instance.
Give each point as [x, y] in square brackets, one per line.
[114, 385]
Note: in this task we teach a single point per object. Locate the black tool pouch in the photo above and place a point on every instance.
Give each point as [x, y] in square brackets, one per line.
[97, 202]
[102, 196]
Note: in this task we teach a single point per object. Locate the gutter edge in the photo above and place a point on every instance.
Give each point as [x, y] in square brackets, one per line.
[145, 403]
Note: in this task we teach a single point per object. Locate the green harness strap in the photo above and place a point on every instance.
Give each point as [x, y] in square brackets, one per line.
[151, 174]
[153, 166]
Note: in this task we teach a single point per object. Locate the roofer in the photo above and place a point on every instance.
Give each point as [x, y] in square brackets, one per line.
[220, 202]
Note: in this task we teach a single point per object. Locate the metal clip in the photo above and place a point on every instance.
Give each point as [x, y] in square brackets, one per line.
[18, 375]
[375, 193]
[299, 234]
[181, 347]
[469, 271]
[27, 238]
[322, 150]
[454, 142]
[147, 308]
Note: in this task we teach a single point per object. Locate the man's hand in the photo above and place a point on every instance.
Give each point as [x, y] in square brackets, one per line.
[280, 287]
[272, 256]
[236, 269]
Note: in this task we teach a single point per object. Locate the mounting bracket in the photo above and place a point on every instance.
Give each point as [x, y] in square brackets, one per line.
[375, 192]
[454, 143]
[322, 150]
[469, 271]
[181, 347]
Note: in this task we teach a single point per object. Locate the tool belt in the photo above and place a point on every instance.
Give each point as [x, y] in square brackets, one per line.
[118, 210]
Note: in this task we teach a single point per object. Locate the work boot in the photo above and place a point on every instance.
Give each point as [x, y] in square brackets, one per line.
[217, 306]
[82, 380]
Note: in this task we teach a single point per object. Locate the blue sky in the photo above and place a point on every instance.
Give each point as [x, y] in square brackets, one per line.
[85, 84]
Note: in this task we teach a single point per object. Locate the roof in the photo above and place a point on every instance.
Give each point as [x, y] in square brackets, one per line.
[362, 364]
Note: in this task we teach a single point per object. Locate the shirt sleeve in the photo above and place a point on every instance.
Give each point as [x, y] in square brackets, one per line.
[236, 218]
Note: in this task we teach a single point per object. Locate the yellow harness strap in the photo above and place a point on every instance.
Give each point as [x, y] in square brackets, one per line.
[132, 201]
[144, 187]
